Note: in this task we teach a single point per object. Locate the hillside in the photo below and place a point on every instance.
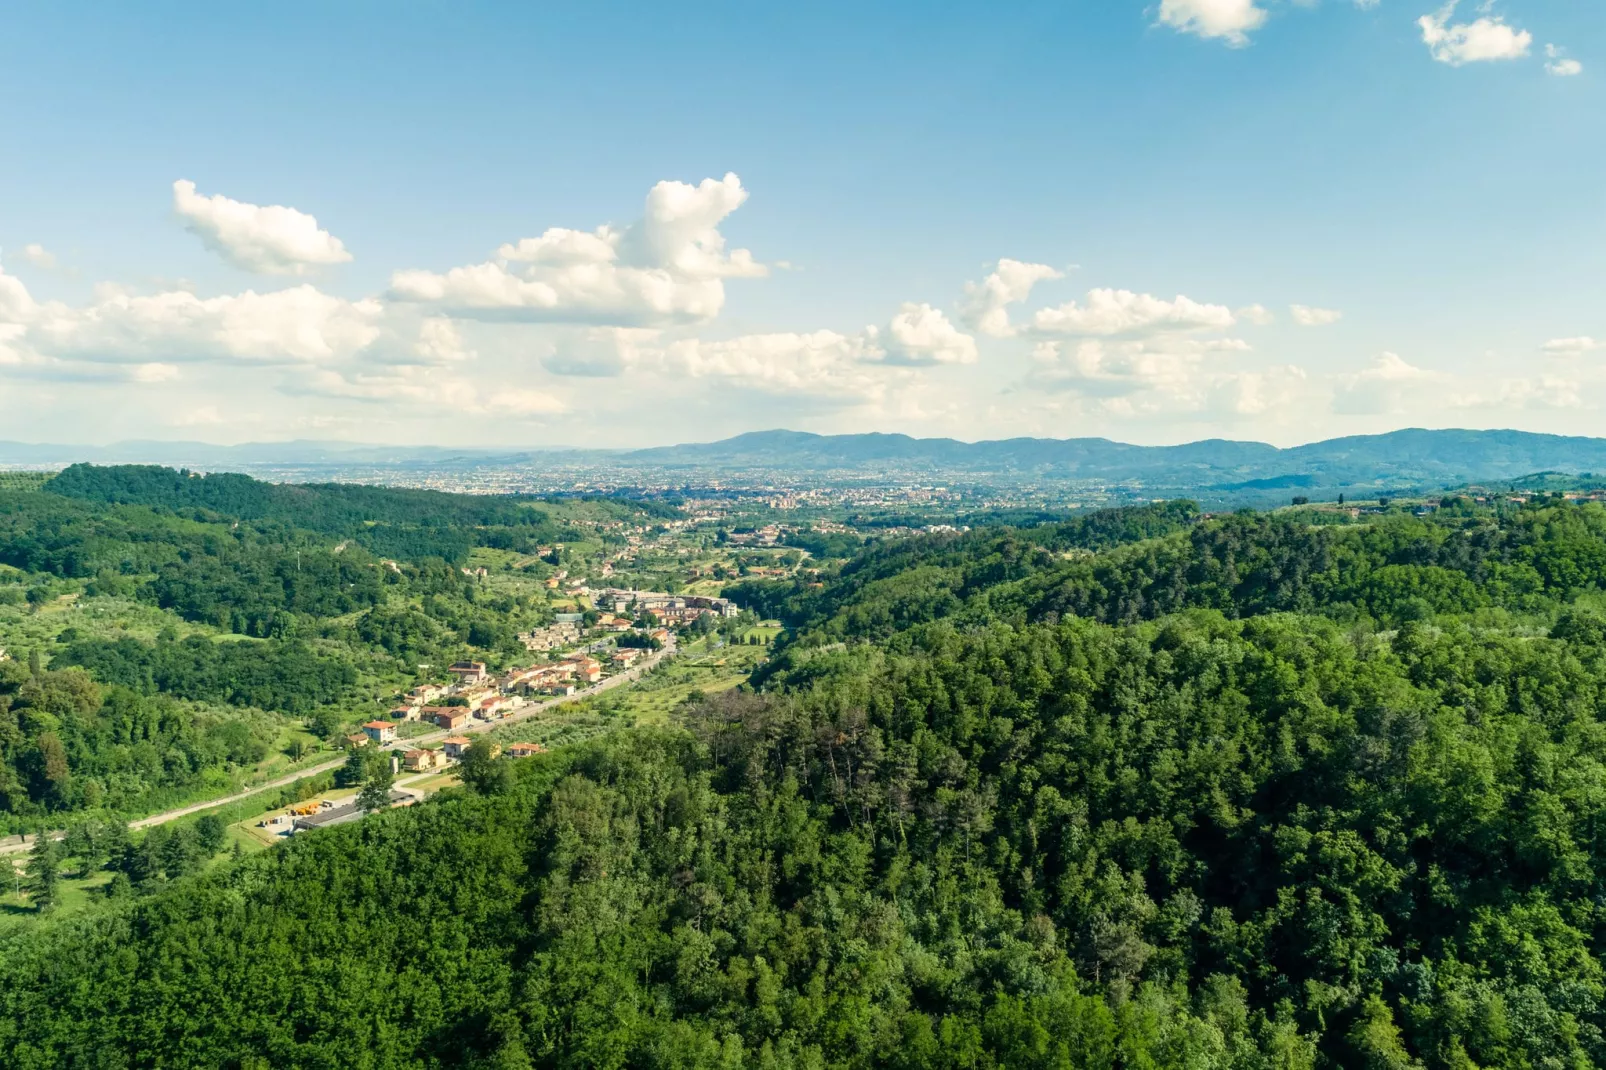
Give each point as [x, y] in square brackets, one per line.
[1136, 790]
[165, 634]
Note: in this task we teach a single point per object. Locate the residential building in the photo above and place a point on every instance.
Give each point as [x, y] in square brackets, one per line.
[468, 672]
[380, 731]
[421, 761]
[524, 750]
[454, 746]
[447, 717]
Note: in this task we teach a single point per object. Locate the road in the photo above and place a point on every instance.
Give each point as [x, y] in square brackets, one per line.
[23, 843]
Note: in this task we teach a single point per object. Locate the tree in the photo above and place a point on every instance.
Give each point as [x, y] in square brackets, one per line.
[210, 833]
[44, 876]
[375, 794]
[79, 843]
[355, 771]
[480, 771]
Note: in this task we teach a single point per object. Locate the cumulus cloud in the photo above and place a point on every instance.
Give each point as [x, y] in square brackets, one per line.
[39, 256]
[267, 240]
[1306, 316]
[301, 324]
[1486, 38]
[600, 352]
[920, 334]
[819, 364]
[1381, 388]
[668, 268]
[1123, 312]
[1243, 394]
[155, 332]
[1558, 64]
[986, 303]
[1538, 392]
[1176, 368]
[1259, 315]
[1572, 347]
[825, 364]
[1227, 20]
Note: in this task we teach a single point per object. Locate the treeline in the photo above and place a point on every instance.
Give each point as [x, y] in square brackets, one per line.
[944, 566]
[287, 676]
[69, 743]
[1529, 561]
[388, 521]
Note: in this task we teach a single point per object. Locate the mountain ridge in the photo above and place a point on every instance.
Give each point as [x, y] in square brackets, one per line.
[1405, 457]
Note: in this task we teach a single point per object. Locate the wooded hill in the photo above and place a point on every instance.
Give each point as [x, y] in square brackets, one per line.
[1249, 794]
[257, 602]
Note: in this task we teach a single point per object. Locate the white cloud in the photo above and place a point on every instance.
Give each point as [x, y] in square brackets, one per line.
[301, 324]
[1175, 368]
[1122, 312]
[1485, 38]
[1539, 392]
[600, 352]
[1229, 20]
[1254, 393]
[1381, 388]
[1259, 315]
[16, 304]
[920, 334]
[267, 240]
[154, 372]
[820, 364]
[1572, 347]
[39, 256]
[1306, 316]
[666, 269]
[1557, 63]
[986, 303]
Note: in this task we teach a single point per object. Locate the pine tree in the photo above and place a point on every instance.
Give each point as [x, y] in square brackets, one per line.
[44, 876]
[375, 794]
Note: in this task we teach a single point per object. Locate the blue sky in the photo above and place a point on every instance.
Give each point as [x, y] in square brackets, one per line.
[1151, 188]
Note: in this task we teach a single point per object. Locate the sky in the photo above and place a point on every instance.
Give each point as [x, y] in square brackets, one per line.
[612, 224]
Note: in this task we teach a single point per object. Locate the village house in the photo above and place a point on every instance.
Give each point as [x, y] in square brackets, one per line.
[454, 746]
[424, 694]
[404, 713]
[585, 667]
[524, 750]
[380, 731]
[467, 672]
[421, 761]
[626, 656]
[447, 717]
[359, 739]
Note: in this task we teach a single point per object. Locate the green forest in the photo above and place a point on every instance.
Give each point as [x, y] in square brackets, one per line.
[1136, 789]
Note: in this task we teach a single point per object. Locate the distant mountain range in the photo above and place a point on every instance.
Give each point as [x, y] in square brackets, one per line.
[1408, 458]
[1413, 456]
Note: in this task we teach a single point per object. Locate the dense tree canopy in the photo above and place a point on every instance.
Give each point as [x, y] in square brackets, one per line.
[1248, 794]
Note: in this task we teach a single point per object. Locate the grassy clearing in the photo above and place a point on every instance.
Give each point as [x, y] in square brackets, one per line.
[76, 893]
